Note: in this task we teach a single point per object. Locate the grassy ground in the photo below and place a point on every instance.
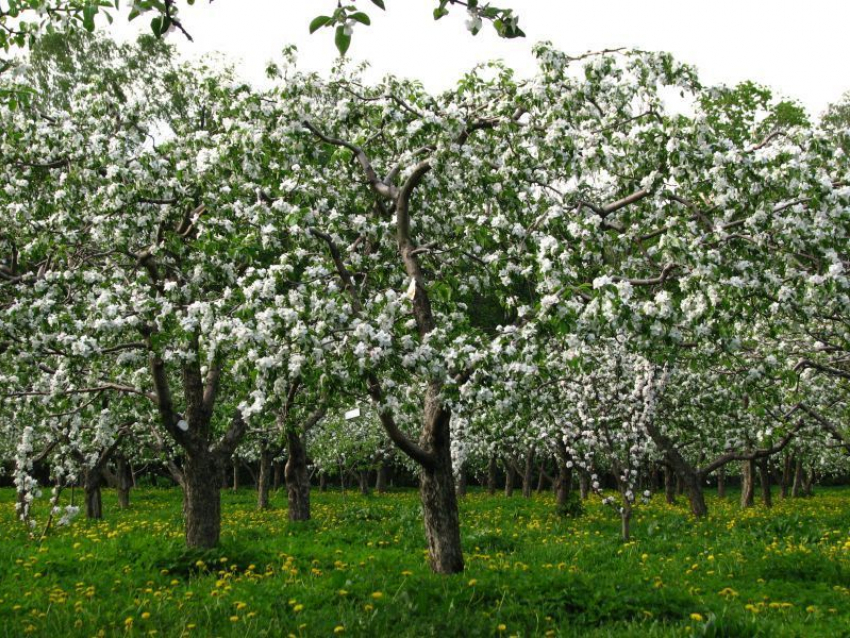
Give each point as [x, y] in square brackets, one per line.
[359, 568]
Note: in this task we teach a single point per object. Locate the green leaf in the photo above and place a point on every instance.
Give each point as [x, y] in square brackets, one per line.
[89, 12]
[440, 12]
[342, 40]
[361, 17]
[379, 4]
[318, 22]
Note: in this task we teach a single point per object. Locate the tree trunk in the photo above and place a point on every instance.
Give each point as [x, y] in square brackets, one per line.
[696, 499]
[510, 476]
[437, 490]
[584, 484]
[541, 478]
[563, 485]
[797, 489]
[235, 484]
[680, 484]
[363, 481]
[747, 483]
[527, 474]
[808, 483]
[721, 483]
[91, 487]
[124, 476]
[264, 480]
[202, 500]
[297, 478]
[491, 476]
[669, 486]
[764, 477]
[323, 482]
[381, 479]
[787, 475]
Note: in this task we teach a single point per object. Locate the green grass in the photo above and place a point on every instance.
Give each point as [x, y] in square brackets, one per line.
[361, 565]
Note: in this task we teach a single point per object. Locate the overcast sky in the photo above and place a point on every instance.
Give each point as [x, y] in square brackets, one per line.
[799, 48]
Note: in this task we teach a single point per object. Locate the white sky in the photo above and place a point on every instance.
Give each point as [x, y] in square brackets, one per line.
[800, 48]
